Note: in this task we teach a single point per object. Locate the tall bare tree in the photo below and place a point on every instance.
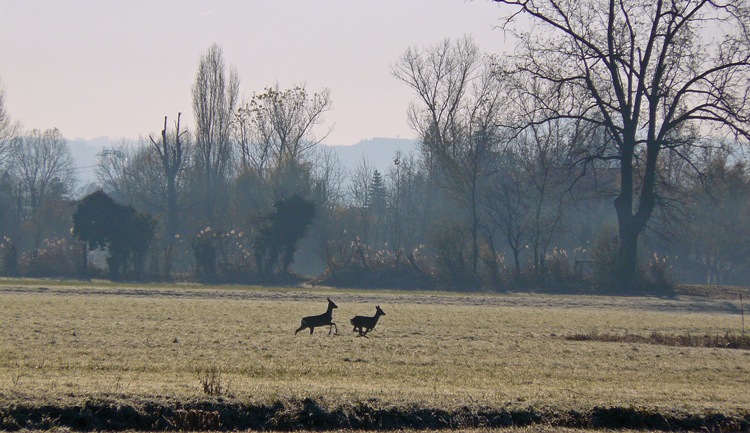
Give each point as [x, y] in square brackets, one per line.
[8, 129]
[112, 168]
[276, 126]
[441, 77]
[132, 173]
[360, 185]
[507, 205]
[455, 118]
[215, 97]
[541, 150]
[277, 138]
[44, 167]
[172, 152]
[654, 75]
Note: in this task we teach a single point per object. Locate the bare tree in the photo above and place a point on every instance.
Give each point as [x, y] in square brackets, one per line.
[542, 152]
[717, 236]
[132, 173]
[653, 75]
[172, 152]
[440, 76]
[507, 205]
[543, 161]
[329, 178]
[214, 103]
[8, 129]
[44, 167]
[327, 194]
[411, 209]
[276, 137]
[359, 197]
[276, 126]
[114, 171]
[456, 117]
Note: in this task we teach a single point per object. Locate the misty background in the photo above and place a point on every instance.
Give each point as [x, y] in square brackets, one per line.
[503, 160]
[378, 151]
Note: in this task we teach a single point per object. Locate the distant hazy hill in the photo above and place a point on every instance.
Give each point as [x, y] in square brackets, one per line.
[379, 153]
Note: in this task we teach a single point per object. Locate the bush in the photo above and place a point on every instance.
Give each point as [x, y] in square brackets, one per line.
[451, 255]
[8, 258]
[658, 276]
[212, 381]
[55, 258]
[557, 265]
[356, 264]
[493, 272]
[205, 249]
[224, 257]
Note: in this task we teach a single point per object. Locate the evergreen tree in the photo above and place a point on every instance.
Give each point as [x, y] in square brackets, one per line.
[377, 193]
[125, 233]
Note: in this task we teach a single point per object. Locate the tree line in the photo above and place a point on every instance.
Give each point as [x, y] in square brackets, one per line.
[605, 153]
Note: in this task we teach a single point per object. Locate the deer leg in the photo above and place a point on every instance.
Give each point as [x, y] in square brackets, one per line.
[301, 327]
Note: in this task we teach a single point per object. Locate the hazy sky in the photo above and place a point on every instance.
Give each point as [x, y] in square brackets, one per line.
[116, 68]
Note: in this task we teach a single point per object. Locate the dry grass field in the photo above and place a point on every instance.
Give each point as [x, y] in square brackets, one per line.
[71, 344]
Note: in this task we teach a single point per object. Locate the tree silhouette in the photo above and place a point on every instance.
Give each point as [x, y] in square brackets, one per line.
[279, 237]
[125, 233]
[651, 77]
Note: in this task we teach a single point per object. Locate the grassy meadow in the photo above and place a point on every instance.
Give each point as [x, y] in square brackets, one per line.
[65, 343]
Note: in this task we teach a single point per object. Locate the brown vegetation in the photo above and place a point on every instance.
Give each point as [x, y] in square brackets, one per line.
[726, 341]
[113, 357]
[312, 415]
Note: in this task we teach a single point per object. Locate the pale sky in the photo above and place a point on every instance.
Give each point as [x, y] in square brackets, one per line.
[115, 68]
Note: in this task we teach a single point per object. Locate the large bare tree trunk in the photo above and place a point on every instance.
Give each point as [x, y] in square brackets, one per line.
[632, 222]
[171, 157]
[652, 75]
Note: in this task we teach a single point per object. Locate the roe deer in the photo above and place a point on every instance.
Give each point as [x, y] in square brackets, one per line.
[364, 324]
[325, 319]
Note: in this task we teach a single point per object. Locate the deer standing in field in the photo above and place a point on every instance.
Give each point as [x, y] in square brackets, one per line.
[365, 324]
[325, 319]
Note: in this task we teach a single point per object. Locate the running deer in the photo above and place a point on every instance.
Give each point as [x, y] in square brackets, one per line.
[325, 319]
[365, 324]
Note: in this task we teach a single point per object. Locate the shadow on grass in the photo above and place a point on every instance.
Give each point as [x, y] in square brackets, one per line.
[308, 414]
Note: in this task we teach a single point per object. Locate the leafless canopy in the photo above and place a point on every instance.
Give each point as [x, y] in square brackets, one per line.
[8, 129]
[653, 75]
[42, 161]
[214, 100]
[276, 126]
